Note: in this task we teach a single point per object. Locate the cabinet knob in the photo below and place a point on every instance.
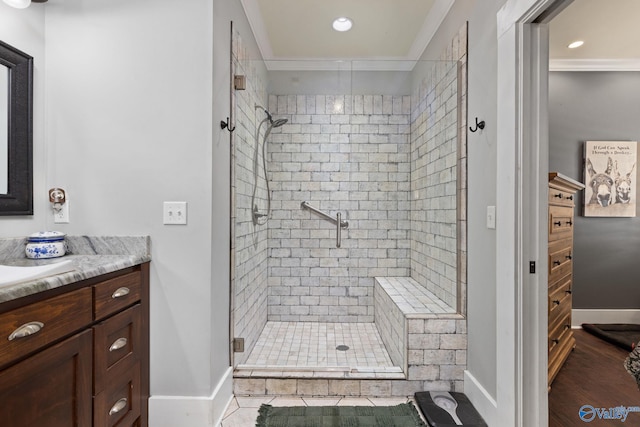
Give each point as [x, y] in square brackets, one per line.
[120, 292]
[118, 406]
[26, 330]
[118, 344]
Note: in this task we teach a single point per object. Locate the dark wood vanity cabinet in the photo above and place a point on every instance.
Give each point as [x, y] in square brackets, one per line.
[78, 356]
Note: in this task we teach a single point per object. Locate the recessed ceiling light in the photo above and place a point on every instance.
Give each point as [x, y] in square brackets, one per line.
[342, 24]
[575, 44]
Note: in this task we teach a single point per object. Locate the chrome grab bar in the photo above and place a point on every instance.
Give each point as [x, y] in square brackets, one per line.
[338, 229]
[340, 224]
[306, 205]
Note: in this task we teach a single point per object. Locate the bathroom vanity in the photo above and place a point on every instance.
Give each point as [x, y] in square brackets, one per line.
[75, 349]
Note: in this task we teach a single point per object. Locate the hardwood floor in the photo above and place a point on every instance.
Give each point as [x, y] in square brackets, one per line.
[593, 375]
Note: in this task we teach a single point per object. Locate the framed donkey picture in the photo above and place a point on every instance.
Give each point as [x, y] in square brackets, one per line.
[610, 178]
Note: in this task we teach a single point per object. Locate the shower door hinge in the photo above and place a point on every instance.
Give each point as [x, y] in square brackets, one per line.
[238, 345]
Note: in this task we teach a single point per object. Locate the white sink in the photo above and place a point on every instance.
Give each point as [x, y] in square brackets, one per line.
[11, 275]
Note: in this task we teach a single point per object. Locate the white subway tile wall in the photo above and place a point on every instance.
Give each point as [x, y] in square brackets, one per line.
[347, 154]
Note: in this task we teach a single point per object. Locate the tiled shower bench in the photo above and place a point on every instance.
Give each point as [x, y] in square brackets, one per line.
[422, 334]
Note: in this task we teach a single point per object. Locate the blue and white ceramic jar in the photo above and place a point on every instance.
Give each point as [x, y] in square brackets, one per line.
[46, 244]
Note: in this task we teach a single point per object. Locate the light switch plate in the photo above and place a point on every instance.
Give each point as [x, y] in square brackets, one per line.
[174, 213]
[491, 217]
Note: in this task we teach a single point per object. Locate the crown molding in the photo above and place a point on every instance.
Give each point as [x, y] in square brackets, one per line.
[328, 64]
[434, 19]
[594, 64]
[254, 16]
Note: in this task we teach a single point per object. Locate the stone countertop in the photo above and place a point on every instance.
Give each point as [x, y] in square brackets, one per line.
[90, 256]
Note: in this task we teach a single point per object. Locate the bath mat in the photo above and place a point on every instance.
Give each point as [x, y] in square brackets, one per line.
[404, 415]
[620, 334]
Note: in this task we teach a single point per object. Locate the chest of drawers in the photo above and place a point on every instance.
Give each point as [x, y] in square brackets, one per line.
[561, 201]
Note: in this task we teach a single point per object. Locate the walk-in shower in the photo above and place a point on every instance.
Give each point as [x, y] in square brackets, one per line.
[378, 150]
[261, 217]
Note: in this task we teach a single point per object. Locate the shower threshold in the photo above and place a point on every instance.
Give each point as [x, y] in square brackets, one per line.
[319, 350]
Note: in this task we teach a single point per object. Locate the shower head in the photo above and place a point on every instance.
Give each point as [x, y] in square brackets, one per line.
[278, 122]
[274, 123]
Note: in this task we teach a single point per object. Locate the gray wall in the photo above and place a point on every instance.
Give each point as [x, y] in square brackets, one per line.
[597, 106]
[482, 161]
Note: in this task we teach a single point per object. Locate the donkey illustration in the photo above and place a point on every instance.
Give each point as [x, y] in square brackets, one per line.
[623, 185]
[600, 184]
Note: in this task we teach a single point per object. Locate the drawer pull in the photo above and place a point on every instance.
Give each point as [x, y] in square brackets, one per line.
[120, 292]
[26, 330]
[555, 341]
[569, 197]
[567, 327]
[118, 406]
[569, 222]
[568, 291]
[559, 195]
[556, 302]
[556, 262]
[568, 257]
[118, 344]
[558, 223]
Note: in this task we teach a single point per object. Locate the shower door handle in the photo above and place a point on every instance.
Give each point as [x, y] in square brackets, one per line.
[338, 229]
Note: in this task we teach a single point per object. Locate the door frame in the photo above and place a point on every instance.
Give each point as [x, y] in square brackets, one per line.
[522, 164]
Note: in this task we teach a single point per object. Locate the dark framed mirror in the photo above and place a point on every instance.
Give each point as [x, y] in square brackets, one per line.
[16, 131]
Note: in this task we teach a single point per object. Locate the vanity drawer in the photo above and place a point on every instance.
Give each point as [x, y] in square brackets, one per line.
[119, 404]
[115, 294]
[116, 344]
[31, 327]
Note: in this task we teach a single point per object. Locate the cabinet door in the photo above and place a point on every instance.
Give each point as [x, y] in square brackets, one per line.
[51, 388]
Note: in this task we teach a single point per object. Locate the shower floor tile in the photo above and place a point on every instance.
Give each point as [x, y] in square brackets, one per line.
[310, 349]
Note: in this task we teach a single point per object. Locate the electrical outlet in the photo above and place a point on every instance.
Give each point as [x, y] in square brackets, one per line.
[61, 216]
[174, 213]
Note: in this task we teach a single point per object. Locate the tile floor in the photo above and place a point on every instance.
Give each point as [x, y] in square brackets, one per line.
[243, 411]
[313, 346]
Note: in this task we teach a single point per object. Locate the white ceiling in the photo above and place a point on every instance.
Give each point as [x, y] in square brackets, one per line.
[299, 31]
[608, 29]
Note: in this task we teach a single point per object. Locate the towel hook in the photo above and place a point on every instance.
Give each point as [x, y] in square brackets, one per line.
[479, 125]
[226, 124]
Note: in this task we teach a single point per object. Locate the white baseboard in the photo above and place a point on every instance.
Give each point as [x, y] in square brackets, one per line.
[192, 411]
[580, 316]
[481, 399]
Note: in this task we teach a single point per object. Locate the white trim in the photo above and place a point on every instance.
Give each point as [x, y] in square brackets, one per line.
[580, 316]
[375, 64]
[434, 19]
[594, 65]
[254, 16]
[436, 15]
[192, 411]
[481, 398]
[518, 376]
